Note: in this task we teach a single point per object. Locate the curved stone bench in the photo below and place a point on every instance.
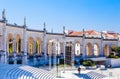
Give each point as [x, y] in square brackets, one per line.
[41, 75]
[27, 72]
[94, 75]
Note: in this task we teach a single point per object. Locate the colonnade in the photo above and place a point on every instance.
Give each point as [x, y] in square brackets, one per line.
[16, 44]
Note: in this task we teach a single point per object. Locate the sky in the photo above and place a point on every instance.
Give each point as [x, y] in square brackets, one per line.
[99, 15]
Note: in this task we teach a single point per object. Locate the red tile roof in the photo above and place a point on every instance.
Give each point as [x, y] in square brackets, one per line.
[93, 32]
[74, 33]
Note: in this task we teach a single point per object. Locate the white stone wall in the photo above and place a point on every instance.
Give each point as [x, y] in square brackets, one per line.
[113, 62]
[49, 36]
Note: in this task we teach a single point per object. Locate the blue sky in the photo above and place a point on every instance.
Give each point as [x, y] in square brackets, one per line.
[73, 14]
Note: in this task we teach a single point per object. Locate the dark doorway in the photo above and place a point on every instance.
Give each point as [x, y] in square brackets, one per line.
[68, 53]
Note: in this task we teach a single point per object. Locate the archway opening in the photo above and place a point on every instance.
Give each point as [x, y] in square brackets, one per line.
[18, 44]
[96, 50]
[89, 49]
[30, 46]
[77, 49]
[10, 43]
[38, 46]
[68, 53]
[50, 47]
[106, 50]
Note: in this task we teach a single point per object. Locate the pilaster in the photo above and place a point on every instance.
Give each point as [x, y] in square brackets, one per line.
[25, 45]
[73, 53]
[4, 43]
[45, 43]
[102, 47]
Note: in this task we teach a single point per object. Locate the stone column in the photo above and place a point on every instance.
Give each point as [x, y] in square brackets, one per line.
[102, 48]
[34, 50]
[93, 50]
[34, 53]
[25, 46]
[44, 48]
[49, 61]
[14, 45]
[54, 54]
[4, 43]
[64, 48]
[15, 58]
[83, 47]
[73, 52]
[84, 55]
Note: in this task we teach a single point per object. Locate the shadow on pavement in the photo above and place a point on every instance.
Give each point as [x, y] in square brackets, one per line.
[84, 76]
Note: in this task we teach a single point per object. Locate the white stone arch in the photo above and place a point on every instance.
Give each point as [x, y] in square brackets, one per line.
[112, 46]
[50, 47]
[96, 49]
[77, 48]
[10, 43]
[38, 45]
[18, 43]
[89, 49]
[58, 47]
[30, 46]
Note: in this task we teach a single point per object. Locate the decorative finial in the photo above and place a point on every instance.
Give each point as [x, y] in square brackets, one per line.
[44, 26]
[3, 15]
[64, 29]
[24, 21]
[83, 32]
[102, 35]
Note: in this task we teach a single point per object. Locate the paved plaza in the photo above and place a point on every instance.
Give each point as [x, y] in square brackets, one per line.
[23, 72]
[113, 73]
[29, 72]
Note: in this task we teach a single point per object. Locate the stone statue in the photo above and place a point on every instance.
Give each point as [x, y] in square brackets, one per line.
[24, 21]
[3, 15]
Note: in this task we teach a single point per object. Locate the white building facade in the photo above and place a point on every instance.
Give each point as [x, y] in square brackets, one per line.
[16, 40]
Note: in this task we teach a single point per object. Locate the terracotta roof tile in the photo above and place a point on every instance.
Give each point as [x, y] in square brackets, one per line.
[76, 33]
[93, 32]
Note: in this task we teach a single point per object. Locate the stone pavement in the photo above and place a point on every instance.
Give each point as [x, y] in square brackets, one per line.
[26, 72]
[113, 73]
[74, 75]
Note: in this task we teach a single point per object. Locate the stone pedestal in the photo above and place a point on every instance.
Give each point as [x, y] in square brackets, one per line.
[49, 62]
[3, 58]
[15, 58]
[24, 59]
[34, 61]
